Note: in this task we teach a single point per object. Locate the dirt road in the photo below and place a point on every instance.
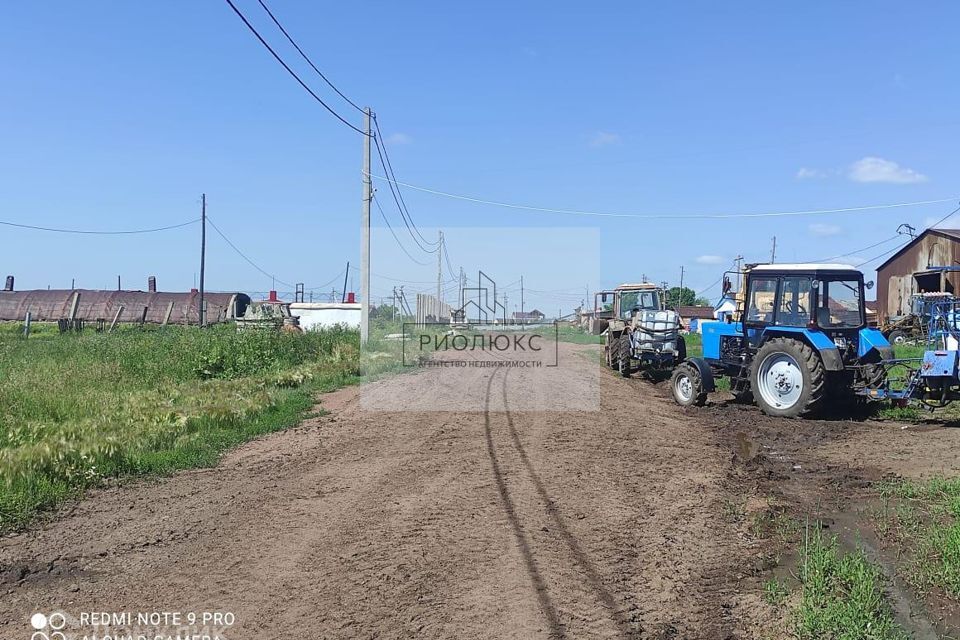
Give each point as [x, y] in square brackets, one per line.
[479, 524]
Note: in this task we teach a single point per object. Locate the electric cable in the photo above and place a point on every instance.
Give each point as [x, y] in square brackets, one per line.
[696, 216]
[291, 71]
[407, 221]
[245, 257]
[394, 234]
[98, 233]
[897, 248]
[388, 169]
[307, 58]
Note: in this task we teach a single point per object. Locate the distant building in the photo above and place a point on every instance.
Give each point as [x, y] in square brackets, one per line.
[928, 263]
[324, 315]
[725, 307]
[527, 316]
[91, 305]
[691, 316]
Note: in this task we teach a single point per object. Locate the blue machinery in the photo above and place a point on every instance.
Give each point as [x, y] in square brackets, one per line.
[934, 379]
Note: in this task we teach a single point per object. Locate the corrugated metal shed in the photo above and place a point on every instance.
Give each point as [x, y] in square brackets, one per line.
[895, 277]
[92, 305]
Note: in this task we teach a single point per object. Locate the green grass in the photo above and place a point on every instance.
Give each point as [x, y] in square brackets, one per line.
[78, 409]
[775, 592]
[842, 594]
[566, 333]
[923, 517]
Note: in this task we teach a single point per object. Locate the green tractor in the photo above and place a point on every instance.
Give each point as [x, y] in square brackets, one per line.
[640, 334]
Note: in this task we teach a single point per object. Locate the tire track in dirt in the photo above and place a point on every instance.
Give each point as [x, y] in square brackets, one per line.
[580, 556]
[540, 587]
[483, 523]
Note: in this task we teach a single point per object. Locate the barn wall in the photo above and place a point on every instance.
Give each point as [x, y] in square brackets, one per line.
[895, 282]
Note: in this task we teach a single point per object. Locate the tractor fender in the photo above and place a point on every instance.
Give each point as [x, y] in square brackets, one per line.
[871, 339]
[706, 373]
[829, 354]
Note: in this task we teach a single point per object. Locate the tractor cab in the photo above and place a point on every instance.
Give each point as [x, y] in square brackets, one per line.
[629, 299]
[824, 298]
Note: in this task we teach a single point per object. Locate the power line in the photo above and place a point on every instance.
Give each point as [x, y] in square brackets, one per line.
[897, 248]
[854, 252]
[394, 234]
[407, 221]
[291, 71]
[244, 256]
[388, 169]
[307, 58]
[696, 216]
[433, 282]
[327, 283]
[99, 233]
[446, 255]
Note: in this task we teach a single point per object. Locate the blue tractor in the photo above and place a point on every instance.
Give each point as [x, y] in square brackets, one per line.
[797, 342]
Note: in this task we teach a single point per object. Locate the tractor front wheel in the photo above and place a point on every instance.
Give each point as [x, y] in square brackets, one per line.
[787, 378]
[625, 353]
[687, 386]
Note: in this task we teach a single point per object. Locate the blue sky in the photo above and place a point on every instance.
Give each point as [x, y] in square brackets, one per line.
[117, 115]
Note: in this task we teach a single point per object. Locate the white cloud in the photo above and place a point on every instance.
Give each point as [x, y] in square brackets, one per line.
[604, 139]
[806, 173]
[711, 259]
[823, 229]
[873, 169]
[399, 138]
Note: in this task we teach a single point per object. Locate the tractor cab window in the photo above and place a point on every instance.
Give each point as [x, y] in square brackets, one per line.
[763, 292]
[840, 304]
[795, 305]
[640, 300]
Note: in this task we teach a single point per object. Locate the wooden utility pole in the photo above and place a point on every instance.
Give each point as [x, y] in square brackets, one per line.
[773, 251]
[439, 272]
[203, 255]
[365, 234]
[521, 295]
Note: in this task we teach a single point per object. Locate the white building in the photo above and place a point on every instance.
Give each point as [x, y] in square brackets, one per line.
[322, 315]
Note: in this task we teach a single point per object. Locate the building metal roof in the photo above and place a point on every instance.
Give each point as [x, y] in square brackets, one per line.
[692, 311]
[953, 234]
[47, 305]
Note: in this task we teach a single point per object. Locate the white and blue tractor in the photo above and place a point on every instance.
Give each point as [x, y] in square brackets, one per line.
[797, 343]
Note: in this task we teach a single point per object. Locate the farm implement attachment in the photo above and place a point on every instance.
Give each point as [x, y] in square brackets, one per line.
[932, 380]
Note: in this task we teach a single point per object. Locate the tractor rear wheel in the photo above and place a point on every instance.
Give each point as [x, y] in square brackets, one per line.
[686, 384]
[624, 350]
[787, 378]
[613, 352]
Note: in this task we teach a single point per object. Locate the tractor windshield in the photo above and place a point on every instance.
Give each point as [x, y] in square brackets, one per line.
[840, 304]
[641, 300]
